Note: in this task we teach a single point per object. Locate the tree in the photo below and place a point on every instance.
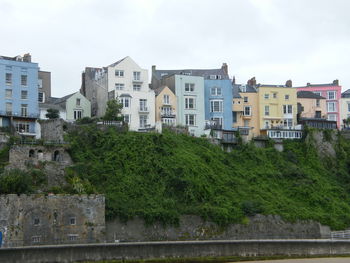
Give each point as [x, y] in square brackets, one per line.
[114, 108]
[52, 114]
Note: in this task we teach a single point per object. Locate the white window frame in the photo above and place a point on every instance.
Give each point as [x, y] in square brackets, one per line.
[24, 110]
[189, 87]
[245, 99]
[288, 122]
[8, 94]
[119, 86]
[266, 96]
[331, 95]
[288, 109]
[267, 110]
[42, 100]
[8, 78]
[77, 114]
[332, 117]
[125, 101]
[190, 103]
[216, 106]
[143, 104]
[318, 103]
[136, 87]
[119, 73]
[24, 80]
[143, 120]
[166, 99]
[331, 108]
[24, 94]
[286, 97]
[136, 75]
[249, 112]
[216, 91]
[126, 118]
[190, 119]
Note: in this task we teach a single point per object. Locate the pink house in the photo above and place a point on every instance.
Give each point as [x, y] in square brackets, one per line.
[332, 93]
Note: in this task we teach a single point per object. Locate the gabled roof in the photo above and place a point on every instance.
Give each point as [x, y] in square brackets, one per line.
[159, 74]
[308, 95]
[116, 63]
[346, 94]
[63, 99]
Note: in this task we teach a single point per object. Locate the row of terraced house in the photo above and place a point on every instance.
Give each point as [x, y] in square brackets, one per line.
[205, 101]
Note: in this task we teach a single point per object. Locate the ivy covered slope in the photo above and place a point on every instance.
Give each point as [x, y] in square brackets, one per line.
[162, 176]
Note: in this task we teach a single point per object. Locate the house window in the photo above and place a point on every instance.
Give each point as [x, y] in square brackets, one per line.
[41, 97]
[286, 97]
[36, 221]
[119, 73]
[36, 239]
[24, 94]
[318, 114]
[287, 109]
[332, 117]
[24, 79]
[8, 108]
[216, 106]
[143, 105]
[22, 127]
[318, 104]
[190, 119]
[73, 237]
[136, 87]
[24, 110]
[8, 79]
[190, 103]
[216, 91]
[189, 87]
[234, 117]
[243, 88]
[245, 99]
[266, 96]
[166, 99]
[331, 106]
[72, 221]
[247, 111]
[77, 114]
[288, 122]
[126, 118]
[8, 94]
[40, 83]
[267, 110]
[78, 102]
[318, 93]
[215, 77]
[166, 111]
[331, 95]
[274, 95]
[119, 86]
[137, 75]
[349, 107]
[143, 121]
[125, 102]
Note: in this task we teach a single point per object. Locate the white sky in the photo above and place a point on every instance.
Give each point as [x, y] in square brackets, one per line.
[273, 40]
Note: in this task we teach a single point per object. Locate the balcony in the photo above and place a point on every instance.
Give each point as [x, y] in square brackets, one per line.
[214, 125]
[143, 109]
[18, 114]
[134, 80]
[167, 114]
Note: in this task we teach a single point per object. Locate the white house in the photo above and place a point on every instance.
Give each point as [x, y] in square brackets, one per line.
[128, 83]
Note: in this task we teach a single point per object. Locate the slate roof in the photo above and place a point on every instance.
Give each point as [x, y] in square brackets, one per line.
[116, 63]
[192, 72]
[308, 95]
[346, 94]
[235, 91]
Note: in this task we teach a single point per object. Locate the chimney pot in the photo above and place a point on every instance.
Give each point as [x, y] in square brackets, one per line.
[224, 67]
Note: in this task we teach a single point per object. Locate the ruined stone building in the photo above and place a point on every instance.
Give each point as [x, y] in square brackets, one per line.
[54, 219]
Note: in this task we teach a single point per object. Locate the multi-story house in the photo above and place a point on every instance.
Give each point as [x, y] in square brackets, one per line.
[19, 108]
[312, 111]
[71, 107]
[165, 106]
[332, 93]
[245, 110]
[345, 105]
[94, 88]
[213, 90]
[128, 82]
[278, 111]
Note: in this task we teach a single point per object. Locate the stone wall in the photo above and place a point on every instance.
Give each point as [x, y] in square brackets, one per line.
[179, 250]
[52, 130]
[53, 219]
[51, 159]
[194, 228]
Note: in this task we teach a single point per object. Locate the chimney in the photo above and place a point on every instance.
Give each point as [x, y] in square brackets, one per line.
[252, 82]
[336, 82]
[224, 67]
[233, 80]
[308, 84]
[153, 68]
[289, 83]
[27, 58]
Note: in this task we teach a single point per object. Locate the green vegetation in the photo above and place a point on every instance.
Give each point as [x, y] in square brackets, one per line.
[52, 114]
[161, 176]
[113, 110]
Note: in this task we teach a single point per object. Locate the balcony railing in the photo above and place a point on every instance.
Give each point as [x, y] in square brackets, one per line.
[215, 125]
[18, 114]
[167, 114]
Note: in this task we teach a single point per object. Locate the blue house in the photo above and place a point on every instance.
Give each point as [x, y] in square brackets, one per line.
[218, 103]
[19, 107]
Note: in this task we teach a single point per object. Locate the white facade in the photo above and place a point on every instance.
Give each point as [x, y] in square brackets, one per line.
[129, 83]
[43, 112]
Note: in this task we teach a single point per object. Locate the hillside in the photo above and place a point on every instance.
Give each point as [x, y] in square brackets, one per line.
[161, 176]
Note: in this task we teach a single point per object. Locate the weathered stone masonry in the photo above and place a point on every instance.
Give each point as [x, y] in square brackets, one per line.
[53, 219]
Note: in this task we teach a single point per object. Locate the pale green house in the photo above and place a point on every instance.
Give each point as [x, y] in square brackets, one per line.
[75, 105]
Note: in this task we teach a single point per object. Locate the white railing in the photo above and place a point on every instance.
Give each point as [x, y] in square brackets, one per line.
[340, 234]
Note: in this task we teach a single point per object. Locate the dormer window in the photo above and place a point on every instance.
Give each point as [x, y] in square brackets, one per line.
[243, 88]
[215, 77]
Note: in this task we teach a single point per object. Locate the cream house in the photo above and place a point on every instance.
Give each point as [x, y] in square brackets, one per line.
[128, 83]
[165, 106]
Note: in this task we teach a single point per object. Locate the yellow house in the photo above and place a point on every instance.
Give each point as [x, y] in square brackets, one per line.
[246, 109]
[165, 105]
[278, 111]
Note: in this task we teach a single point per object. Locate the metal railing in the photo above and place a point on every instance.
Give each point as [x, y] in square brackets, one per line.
[18, 114]
[345, 234]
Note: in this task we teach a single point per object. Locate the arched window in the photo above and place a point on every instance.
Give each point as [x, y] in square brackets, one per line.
[31, 153]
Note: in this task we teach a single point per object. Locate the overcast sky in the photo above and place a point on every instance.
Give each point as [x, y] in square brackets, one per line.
[273, 40]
